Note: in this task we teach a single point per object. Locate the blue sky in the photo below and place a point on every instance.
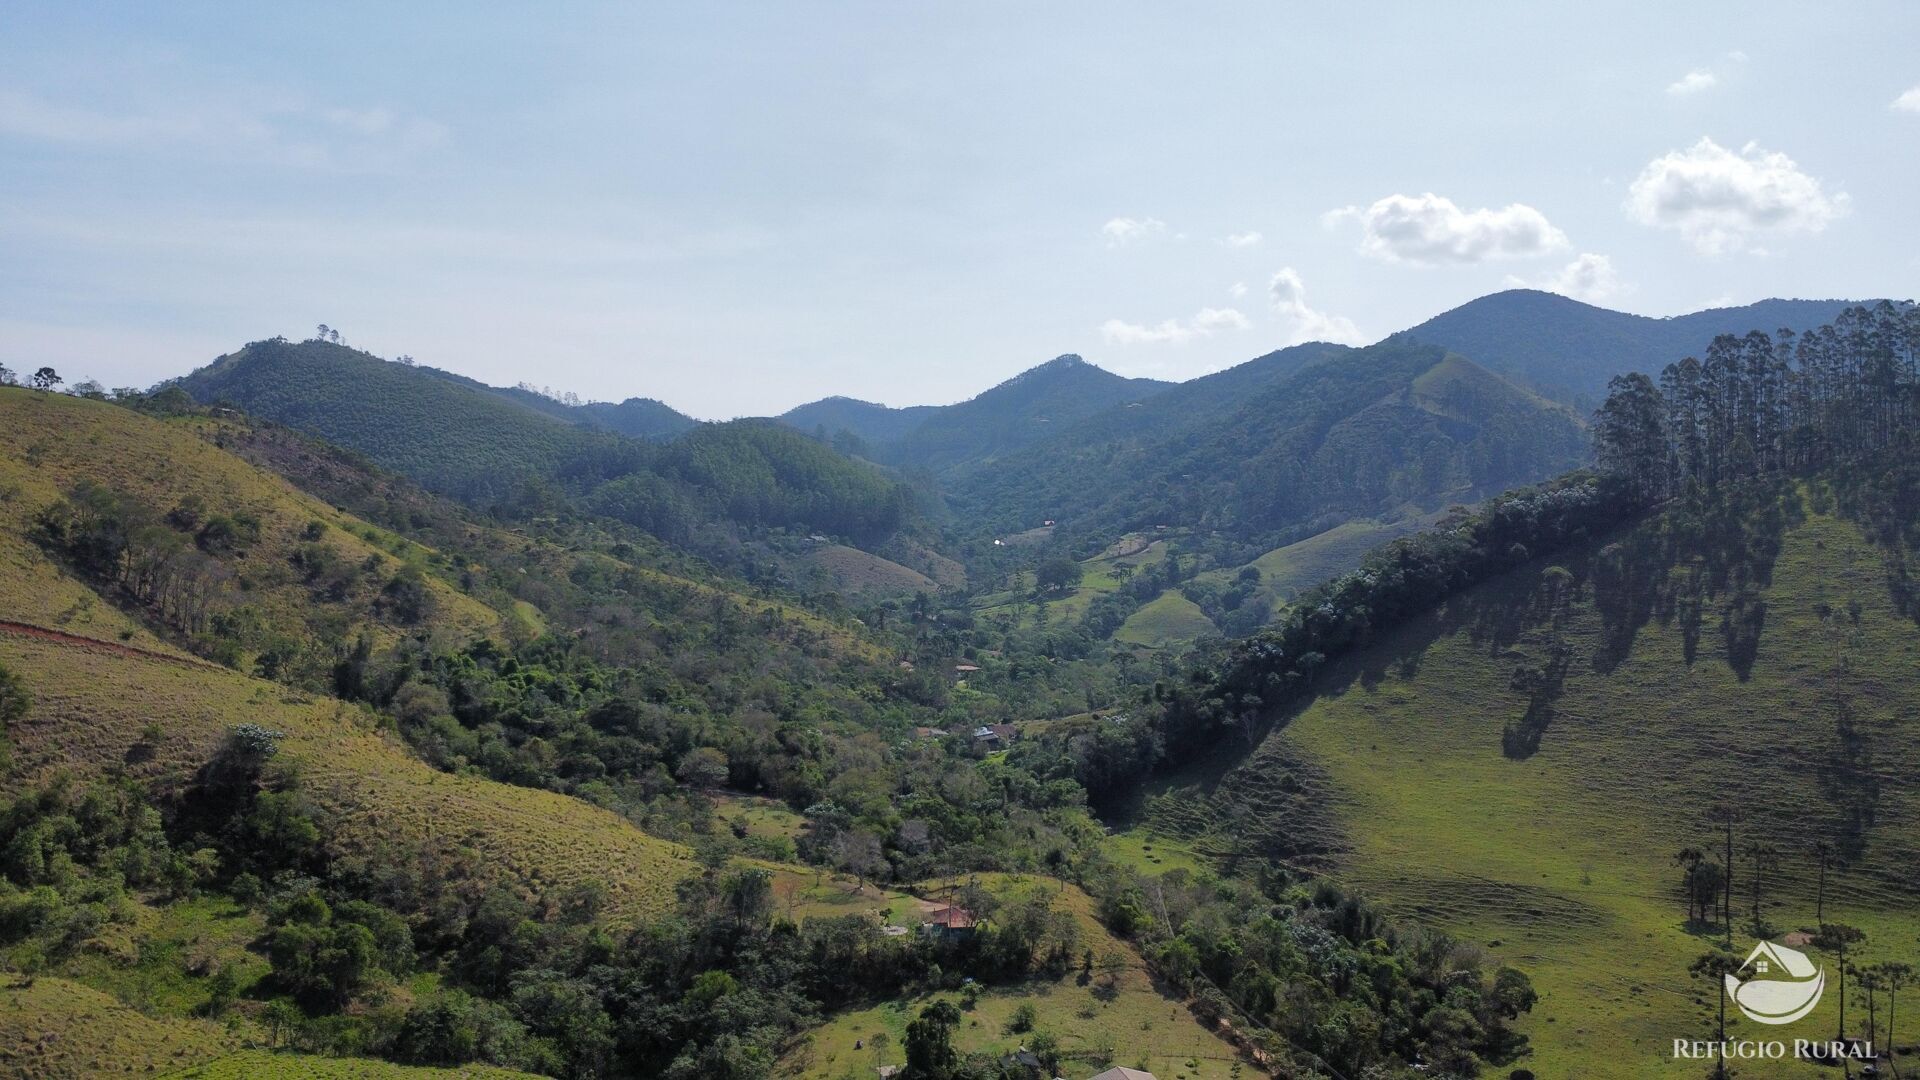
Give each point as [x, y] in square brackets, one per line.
[737, 208]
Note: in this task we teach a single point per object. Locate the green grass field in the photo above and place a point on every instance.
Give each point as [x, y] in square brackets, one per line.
[1169, 621]
[1560, 860]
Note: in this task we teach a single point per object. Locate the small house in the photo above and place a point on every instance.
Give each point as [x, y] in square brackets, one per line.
[1122, 1073]
[949, 922]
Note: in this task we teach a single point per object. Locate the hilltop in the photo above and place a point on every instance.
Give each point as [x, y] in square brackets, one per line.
[1025, 409]
[1569, 349]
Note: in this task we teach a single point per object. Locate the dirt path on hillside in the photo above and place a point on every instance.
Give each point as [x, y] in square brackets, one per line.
[61, 637]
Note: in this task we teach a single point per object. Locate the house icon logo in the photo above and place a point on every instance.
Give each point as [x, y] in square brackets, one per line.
[1776, 985]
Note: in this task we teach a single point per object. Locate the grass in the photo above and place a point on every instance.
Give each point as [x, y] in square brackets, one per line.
[91, 708]
[1169, 621]
[149, 966]
[1100, 575]
[1286, 572]
[858, 573]
[1560, 861]
[1134, 1024]
[269, 1063]
[55, 1028]
[1151, 852]
[50, 443]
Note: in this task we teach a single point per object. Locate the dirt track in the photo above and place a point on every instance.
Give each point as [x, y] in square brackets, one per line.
[61, 637]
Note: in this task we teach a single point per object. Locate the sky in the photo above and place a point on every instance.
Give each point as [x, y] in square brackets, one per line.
[737, 208]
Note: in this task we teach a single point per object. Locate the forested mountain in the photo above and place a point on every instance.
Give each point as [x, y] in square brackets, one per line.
[1350, 432]
[877, 426]
[1568, 350]
[641, 418]
[1025, 409]
[485, 447]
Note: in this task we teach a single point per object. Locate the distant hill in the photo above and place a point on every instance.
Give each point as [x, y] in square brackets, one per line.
[1023, 410]
[640, 418]
[1339, 433]
[483, 445]
[873, 424]
[449, 433]
[1569, 349]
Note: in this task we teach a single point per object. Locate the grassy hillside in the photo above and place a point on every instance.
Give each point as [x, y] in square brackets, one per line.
[1293, 568]
[61, 1030]
[272, 570]
[98, 708]
[1523, 778]
[1169, 621]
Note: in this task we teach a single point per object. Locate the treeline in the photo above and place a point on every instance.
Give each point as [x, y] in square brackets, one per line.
[1765, 403]
[1237, 689]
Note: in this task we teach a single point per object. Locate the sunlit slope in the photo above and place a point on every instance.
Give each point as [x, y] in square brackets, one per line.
[92, 706]
[55, 1029]
[1418, 779]
[50, 443]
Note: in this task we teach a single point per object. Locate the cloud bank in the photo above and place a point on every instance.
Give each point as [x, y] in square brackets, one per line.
[1720, 200]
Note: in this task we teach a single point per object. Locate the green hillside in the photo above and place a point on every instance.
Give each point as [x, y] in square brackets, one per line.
[1361, 433]
[1409, 782]
[491, 448]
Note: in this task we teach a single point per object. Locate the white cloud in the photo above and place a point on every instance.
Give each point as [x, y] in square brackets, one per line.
[1718, 199]
[1126, 230]
[1237, 290]
[1205, 322]
[1590, 277]
[1210, 319]
[1305, 323]
[1429, 229]
[1692, 83]
[1907, 102]
[1241, 240]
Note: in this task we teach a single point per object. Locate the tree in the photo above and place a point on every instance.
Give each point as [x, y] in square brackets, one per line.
[1726, 816]
[1896, 975]
[703, 767]
[1057, 574]
[859, 853]
[46, 379]
[1828, 859]
[1688, 859]
[930, 1053]
[1717, 965]
[1835, 937]
[7, 376]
